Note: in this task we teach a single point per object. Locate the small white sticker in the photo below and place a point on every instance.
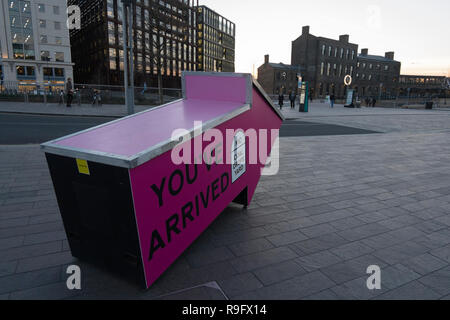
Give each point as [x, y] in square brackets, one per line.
[238, 156]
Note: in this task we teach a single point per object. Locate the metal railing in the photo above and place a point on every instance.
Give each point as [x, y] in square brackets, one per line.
[83, 94]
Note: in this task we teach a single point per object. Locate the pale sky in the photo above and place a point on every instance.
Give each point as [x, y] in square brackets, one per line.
[417, 30]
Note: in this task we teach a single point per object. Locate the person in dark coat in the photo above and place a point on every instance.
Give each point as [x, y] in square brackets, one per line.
[332, 100]
[292, 97]
[69, 92]
[281, 100]
[374, 102]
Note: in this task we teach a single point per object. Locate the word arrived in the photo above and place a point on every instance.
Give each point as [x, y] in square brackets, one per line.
[171, 187]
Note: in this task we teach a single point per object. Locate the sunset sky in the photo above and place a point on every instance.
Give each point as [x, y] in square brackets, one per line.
[418, 31]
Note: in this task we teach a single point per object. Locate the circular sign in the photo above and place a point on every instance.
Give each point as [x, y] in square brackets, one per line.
[348, 80]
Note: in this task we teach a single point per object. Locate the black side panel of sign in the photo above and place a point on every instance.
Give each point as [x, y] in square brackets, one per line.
[98, 215]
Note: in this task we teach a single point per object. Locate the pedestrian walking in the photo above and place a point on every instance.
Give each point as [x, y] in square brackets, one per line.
[95, 97]
[292, 97]
[281, 100]
[332, 100]
[69, 92]
[374, 102]
[61, 97]
[367, 101]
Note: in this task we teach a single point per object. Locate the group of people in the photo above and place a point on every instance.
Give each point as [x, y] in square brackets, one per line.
[370, 102]
[69, 92]
[292, 99]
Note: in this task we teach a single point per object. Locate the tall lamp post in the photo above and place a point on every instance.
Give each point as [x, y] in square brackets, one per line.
[128, 54]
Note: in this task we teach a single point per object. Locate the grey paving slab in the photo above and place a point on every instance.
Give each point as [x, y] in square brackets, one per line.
[211, 256]
[239, 284]
[411, 291]
[54, 291]
[13, 242]
[249, 247]
[326, 295]
[401, 252]
[44, 237]
[438, 281]
[318, 260]
[356, 290]
[292, 289]
[442, 253]
[425, 264]
[351, 250]
[262, 259]
[45, 261]
[23, 252]
[7, 268]
[338, 205]
[318, 244]
[319, 230]
[287, 238]
[352, 269]
[196, 294]
[363, 232]
[397, 275]
[279, 272]
[29, 280]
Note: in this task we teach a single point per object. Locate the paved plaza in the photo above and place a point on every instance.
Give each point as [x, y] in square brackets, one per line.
[338, 205]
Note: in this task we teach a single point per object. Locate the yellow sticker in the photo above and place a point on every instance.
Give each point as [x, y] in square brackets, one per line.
[83, 167]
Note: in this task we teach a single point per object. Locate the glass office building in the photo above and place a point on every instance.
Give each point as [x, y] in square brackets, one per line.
[216, 41]
[164, 34]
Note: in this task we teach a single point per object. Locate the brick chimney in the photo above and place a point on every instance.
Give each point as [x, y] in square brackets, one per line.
[389, 55]
[364, 52]
[345, 38]
[305, 30]
[266, 59]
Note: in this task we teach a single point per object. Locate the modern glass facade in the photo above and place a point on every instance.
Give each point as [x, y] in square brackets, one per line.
[21, 25]
[164, 34]
[216, 41]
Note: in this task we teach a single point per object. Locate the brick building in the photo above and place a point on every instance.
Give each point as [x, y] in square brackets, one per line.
[326, 62]
[377, 76]
[278, 78]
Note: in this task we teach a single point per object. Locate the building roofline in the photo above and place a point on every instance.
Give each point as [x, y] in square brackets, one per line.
[203, 6]
[376, 58]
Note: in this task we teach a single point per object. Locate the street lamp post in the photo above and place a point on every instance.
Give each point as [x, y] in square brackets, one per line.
[128, 54]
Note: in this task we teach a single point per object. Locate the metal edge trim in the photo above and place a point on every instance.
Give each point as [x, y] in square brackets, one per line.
[267, 98]
[168, 145]
[92, 156]
[109, 123]
[144, 156]
[137, 229]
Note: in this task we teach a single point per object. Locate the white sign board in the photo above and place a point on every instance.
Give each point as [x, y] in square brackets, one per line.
[238, 156]
[349, 97]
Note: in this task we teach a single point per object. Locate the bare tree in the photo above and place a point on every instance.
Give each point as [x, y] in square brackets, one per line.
[161, 37]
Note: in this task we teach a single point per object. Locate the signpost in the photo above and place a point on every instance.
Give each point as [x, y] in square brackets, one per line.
[303, 87]
[128, 54]
[350, 92]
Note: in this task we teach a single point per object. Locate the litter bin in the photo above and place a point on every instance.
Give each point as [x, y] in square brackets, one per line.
[128, 205]
[429, 105]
